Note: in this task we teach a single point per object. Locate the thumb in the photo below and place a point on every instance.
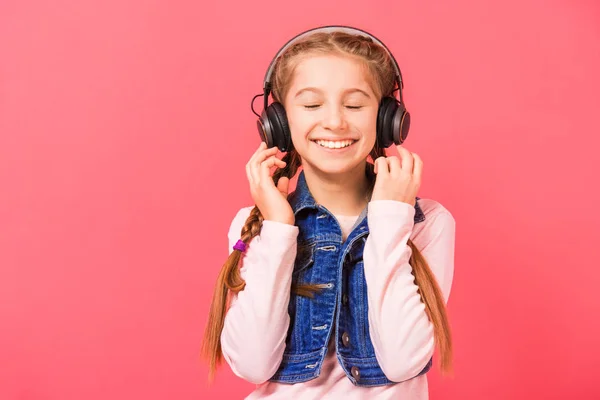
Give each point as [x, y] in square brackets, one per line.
[282, 185]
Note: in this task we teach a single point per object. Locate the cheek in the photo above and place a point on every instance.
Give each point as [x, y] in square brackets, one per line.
[368, 127]
[300, 123]
[366, 122]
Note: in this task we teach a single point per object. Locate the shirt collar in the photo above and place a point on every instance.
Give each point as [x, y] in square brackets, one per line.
[301, 199]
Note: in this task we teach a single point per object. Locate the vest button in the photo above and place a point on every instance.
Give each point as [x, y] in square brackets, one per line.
[355, 373]
[345, 339]
[344, 299]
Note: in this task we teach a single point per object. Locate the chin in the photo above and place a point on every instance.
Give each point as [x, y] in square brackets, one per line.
[332, 167]
[333, 161]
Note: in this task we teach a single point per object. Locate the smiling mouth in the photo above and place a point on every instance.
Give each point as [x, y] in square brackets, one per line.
[338, 144]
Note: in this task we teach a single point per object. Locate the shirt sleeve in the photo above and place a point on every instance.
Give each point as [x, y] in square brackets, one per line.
[256, 324]
[401, 332]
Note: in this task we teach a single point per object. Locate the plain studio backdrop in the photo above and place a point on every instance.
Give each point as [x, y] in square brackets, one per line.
[124, 131]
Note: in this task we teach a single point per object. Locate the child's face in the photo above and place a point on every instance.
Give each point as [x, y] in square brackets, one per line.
[321, 104]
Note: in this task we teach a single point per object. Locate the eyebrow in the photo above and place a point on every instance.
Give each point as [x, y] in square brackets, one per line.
[316, 90]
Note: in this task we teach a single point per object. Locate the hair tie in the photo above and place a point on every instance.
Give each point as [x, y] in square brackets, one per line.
[240, 245]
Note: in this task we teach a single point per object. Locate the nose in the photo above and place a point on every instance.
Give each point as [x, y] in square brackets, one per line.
[334, 119]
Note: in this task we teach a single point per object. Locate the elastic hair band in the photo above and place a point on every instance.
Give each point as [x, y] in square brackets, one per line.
[240, 245]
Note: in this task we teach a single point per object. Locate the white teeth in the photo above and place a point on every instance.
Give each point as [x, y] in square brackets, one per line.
[335, 145]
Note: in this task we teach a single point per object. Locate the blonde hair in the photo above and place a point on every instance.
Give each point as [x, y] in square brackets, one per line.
[381, 72]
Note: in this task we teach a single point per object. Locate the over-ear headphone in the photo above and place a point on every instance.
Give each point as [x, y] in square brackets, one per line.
[393, 120]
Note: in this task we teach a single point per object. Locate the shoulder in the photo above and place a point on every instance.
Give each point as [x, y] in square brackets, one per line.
[239, 220]
[438, 218]
[243, 213]
[432, 208]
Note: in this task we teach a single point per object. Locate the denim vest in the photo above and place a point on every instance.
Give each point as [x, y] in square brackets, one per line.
[322, 258]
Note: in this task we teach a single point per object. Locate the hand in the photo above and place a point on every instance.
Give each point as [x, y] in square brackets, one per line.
[398, 178]
[270, 200]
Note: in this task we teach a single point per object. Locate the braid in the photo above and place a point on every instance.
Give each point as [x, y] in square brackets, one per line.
[253, 224]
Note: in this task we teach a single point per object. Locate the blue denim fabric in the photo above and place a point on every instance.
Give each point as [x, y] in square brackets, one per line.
[322, 258]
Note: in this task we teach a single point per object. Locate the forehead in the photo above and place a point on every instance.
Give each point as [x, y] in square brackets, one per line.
[330, 72]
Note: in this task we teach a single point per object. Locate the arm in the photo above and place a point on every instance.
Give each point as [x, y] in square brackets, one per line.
[256, 324]
[401, 331]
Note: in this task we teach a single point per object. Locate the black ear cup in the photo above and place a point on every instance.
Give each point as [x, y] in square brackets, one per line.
[282, 136]
[384, 132]
[393, 122]
[273, 127]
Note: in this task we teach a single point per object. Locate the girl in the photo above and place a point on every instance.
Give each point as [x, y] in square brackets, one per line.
[337, 290]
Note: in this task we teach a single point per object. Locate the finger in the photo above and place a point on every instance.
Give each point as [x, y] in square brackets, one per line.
[418, 168]
[407, 159]
[249, 174]
[381, 166]
[265, 167]
[394, 165]
[283, 185]
[257, 160]
[270, 162]
[261, 154]
[260, 148]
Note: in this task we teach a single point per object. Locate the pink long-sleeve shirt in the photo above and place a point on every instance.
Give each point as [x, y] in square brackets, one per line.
[256, 324]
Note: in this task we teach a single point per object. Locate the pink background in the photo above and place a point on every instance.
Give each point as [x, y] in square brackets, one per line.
[124, 131]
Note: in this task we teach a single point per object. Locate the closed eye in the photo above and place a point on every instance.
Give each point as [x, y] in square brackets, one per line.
[315, 106]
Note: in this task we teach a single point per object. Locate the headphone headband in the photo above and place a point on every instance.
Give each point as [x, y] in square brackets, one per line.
[331, 28]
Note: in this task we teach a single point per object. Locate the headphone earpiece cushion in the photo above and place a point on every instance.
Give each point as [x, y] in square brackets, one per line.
[281, 130]
[393, 122]
[385, 115]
